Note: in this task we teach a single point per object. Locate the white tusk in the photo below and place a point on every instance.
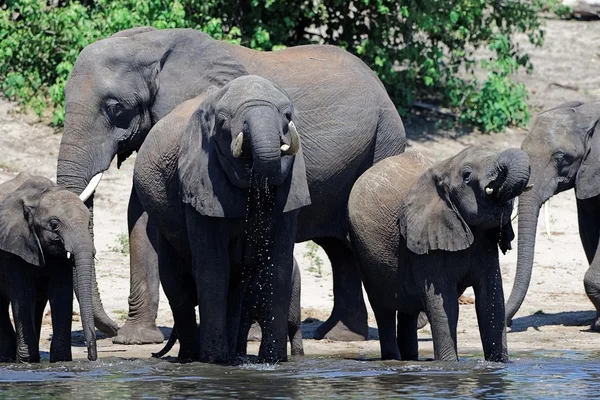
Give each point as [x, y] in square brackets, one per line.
[489, 190]
[68, 255]
[515, 211]
[285, 147]
[236, 146]
[547, 218]
[91, 187]
[294, 145]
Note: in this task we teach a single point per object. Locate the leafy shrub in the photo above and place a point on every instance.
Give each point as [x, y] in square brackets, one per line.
[418, 48]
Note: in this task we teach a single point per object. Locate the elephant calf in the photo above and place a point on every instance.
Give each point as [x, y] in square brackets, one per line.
[223, 178]
[40, 225]
[425, 233]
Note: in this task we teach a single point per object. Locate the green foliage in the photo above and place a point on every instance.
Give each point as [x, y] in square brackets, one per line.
[121, 244]
[419, 48]
[311, 254]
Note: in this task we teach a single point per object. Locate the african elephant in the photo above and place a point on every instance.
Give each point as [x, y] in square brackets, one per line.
[41, 224]
[425, 233]
[564, 148]
[121, 86]
[223, 178]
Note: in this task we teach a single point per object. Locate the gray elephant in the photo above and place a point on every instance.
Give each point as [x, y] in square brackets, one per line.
[564, 148]
[425, 233]
[40, 225]
[223, 178]
[121, 86]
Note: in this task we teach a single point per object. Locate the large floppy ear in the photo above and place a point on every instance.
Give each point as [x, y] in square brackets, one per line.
[17, 230]
[294, 193]
[428, 220]
[587, 182]
[204, 183]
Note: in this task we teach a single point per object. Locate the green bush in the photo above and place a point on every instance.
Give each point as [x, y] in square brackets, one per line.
[419, 48]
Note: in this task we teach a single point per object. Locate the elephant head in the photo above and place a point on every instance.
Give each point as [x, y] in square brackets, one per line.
[470, 191]
[564, 148]
[122, 85]
[37, 220]
[242, 137]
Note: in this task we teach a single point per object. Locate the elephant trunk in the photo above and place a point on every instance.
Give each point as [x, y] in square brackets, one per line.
[81, 157]
[513, 173]
[84, 278]
[265, 139]
[529, 208]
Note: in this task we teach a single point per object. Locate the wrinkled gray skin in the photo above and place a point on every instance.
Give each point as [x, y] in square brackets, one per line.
[564, 148]
[224, 220]
[39, 224]
[121, 86]
[425, 233]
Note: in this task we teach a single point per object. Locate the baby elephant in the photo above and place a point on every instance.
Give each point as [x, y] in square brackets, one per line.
[41, 225]
[425, 233]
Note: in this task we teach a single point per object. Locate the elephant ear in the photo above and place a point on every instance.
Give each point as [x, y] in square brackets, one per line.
[294, 193]
[428, 220]
[203, 182]
[587, 182]
[17, 230]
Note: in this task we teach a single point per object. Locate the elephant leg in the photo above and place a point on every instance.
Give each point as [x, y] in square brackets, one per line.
[238, 312]
[209, 245]
[442, 312]
[589, 231]
[408, 343]
[348, 320]
[250, 305]
[8, 339]
[179, 287]
[275, 296]
[489, 306]
[41, 299]
[140, 327]
[295, 314]
[386, 325]
[60, 293]
[23, 309]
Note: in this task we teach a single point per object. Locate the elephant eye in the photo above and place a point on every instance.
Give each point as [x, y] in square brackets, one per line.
[466, 175]
[54, 225]
[118, 114]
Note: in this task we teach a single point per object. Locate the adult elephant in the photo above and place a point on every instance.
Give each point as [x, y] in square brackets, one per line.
[425, 233]
[121, 86]
[564, 148]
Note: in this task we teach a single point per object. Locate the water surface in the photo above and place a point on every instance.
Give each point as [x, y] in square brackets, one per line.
[529, 375]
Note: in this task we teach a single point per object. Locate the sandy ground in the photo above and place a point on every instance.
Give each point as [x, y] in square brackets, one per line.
[556, 312]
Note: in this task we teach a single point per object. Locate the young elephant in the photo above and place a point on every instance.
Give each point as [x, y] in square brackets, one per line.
[223, 178]
[40, 226]
[425, 233]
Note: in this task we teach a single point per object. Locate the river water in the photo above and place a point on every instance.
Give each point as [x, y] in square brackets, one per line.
[530, 375]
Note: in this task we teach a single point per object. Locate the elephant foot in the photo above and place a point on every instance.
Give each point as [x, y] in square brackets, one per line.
[340, 332]
[255, 333]
[138, 334]
[596, 325]
[422, 320]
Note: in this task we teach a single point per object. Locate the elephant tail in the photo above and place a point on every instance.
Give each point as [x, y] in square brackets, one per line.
[169, 345]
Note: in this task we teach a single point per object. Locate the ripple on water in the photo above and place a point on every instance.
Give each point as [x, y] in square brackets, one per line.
[529, 375]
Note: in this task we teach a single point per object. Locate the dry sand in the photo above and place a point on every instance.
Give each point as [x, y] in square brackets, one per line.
[556, 312]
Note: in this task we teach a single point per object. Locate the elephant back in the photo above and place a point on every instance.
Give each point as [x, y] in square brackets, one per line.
[375, 200]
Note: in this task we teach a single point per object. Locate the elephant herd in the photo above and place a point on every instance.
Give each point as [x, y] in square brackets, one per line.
[241, 154]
